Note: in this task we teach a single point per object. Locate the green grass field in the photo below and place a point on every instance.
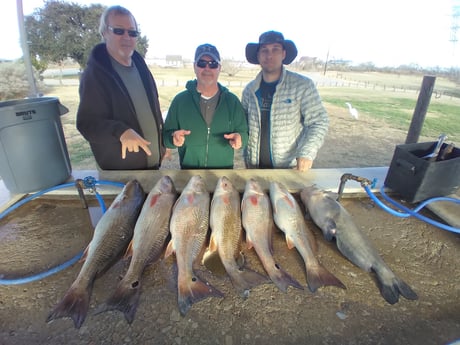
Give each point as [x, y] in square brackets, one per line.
[388, 97]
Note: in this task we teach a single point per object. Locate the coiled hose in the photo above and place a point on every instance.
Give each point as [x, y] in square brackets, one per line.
[88, 182]
[406, 212]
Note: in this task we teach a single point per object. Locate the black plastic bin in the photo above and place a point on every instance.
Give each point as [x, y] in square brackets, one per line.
[416, 178]
[33, 151]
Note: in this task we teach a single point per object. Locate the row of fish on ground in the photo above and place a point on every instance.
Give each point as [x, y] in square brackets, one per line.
[140, 227]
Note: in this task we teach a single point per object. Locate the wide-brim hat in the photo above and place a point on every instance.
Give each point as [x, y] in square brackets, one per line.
[270, 37]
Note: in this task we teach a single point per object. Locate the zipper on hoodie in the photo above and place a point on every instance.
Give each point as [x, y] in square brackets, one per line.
[207, 148]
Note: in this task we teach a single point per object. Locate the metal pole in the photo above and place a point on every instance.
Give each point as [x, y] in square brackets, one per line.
[325, 64]
[421, 108]
[25, 51]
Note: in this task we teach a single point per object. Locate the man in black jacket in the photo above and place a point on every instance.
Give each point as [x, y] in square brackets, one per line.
[119, 111]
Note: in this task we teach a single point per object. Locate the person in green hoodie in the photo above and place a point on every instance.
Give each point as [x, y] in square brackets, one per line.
[206, 122]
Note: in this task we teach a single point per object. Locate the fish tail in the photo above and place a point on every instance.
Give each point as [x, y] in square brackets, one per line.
[283, 280]
[74, 304]
[124, 299]
[392, 288]
[244, 280]
[318, 276]
[194, 291]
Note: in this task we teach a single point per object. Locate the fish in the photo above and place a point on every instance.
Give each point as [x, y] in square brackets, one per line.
[226, 236]
[257, 220]
[150, 233]
[189, 227]
[336, 222]
[289, 218]
[111, 236]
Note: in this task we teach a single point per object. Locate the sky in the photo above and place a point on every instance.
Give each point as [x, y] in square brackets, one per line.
[386, 33]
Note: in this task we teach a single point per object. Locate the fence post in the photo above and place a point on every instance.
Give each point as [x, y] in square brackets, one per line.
[420, 109]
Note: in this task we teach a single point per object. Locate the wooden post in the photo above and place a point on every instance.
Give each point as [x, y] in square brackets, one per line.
[420, 109]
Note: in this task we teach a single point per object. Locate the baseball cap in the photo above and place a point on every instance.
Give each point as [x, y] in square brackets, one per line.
[207, 49]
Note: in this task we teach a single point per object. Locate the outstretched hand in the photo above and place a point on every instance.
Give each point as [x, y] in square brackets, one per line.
[131, 141]
[234, 139]
[179, 137]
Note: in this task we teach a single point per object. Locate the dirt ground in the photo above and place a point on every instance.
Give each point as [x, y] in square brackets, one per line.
[44, 233]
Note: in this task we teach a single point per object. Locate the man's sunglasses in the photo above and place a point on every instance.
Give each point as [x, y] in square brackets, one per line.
[203, 63]
[121, 32]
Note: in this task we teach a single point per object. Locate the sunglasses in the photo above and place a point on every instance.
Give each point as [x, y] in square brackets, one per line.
[203, 63]
[121, 32]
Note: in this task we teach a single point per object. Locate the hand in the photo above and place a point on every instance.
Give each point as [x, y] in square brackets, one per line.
[234, 140]
[131, 141]
[179, 137]
[303, 164]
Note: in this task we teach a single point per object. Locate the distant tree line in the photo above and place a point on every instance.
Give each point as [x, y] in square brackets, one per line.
[314, 64]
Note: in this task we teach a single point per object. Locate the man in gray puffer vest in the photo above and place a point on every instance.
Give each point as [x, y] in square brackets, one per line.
[286, 118]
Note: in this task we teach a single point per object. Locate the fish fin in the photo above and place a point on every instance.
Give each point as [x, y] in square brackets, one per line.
[311, 239]
[213, 263]
[243, 202]
[125, 299]
[290, 243]
[406, 291]
[129, 250]
[249, 242]
[193, 292]
[169, 249]
[283, 280]
[212, 244]
[74, 304]
[85, 254]
[244, 280]
[318, 276]
[289, 200]
[391, 290]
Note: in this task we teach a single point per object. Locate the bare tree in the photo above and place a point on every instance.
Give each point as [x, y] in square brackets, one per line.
[231, 67]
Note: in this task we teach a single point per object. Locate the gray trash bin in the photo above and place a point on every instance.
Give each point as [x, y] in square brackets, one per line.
[33, 152]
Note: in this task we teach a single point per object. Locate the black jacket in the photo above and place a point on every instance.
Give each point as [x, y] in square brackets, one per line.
[106, 111]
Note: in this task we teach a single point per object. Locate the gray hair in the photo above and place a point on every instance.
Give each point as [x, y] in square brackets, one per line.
[116, 10]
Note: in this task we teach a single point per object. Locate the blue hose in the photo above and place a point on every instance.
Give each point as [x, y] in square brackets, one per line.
[89, 182]
[407, 212]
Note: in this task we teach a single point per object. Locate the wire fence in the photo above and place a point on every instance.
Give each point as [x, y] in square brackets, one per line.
[321, 82]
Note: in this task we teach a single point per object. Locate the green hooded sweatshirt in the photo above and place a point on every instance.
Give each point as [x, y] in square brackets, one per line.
[205, 148]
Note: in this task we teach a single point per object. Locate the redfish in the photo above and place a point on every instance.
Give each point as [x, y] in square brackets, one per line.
[257, 219]
[111, 237]
[226, 235]
[150, 233]
[289, 218]
[189, 227]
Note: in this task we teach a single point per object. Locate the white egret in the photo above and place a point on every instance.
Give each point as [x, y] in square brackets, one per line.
[353, 111]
